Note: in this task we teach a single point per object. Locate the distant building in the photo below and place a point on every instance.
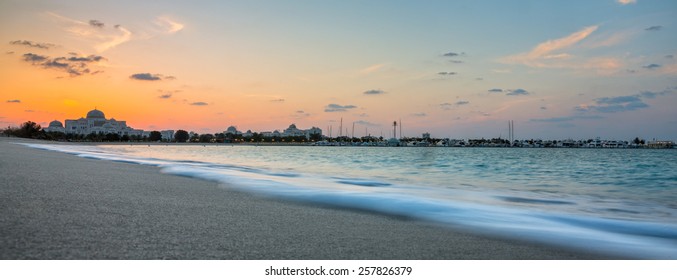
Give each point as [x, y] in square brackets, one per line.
[275, 133]
[55, 126]
[249, 133]
[96, 122]
[167, 135]
[292, 131]
[232, 130]
[660, 144]
[313, 131]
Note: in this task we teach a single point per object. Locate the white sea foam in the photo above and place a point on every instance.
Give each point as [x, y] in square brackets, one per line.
[636, 239]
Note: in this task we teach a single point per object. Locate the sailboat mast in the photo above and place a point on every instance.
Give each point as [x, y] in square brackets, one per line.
[395, 129]
[340, 128]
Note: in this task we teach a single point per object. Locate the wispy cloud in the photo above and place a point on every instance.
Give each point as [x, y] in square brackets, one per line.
[73, 65]
[150, 77]
[654, 28]
[567, 119]
[167, 94]
[626, 2]
[96, 23]
[374, 92]
[300, 114]
[199, 103]
[168, 25]
[33, 44]
[623, 103]
[614, 104]
[366, 123]
[453, 54]
[652, 66]
[371, 68]
[14, 101]
[277, 100]
[145, 77]
[445, 73]
[557, 53]
[510, 92]
[518, 91]
[103, 38]
[448, 106]
[338, 108]
[419, 115]
[31, 57]
[654, 94]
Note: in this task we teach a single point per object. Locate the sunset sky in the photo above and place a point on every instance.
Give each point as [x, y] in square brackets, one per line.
[459, 69]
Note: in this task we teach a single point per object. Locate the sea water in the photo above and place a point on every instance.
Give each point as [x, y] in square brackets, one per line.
[613, 201]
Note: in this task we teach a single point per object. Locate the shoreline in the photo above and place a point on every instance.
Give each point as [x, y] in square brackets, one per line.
[309, 144]
[59, 206]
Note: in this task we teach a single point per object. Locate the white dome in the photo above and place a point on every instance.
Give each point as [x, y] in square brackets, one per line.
[95, 114]
[55, 123]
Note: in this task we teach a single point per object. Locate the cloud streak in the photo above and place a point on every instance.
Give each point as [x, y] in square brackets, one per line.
[103, 38]
[150, 77]
[510, 92]
[374, 92]
[338, 108]
[567, 119]
[652, 66]
[14, 101]
[300, 114]
[371, 69]
[654, 28]
[96, 23]
[73, 65]
[453, 54]
[32, 44]
[168, 25]
[556, 53]
[623, 103]
[518, 91]
[366, 123]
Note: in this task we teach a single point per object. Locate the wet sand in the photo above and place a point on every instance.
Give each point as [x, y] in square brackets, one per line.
[59, 206]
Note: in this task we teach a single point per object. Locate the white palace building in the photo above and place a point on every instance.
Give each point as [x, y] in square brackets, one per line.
[292, 130]
[96, 122]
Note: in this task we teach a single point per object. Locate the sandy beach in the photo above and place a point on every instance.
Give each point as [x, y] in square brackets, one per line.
[59, 206]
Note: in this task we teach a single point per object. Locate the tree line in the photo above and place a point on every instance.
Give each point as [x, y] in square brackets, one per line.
[33, 130]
